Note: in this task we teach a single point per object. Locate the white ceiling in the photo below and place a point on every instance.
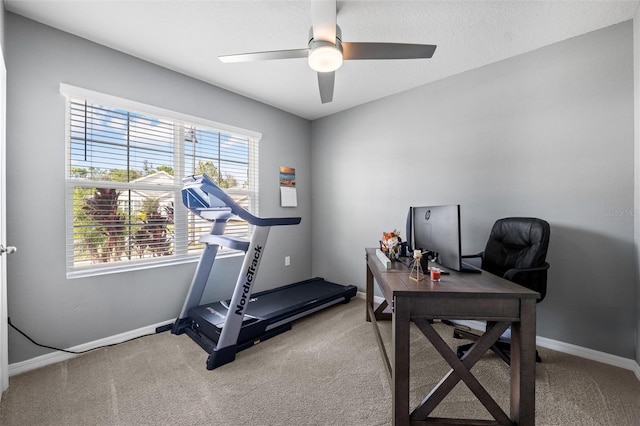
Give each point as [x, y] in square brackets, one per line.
[187, 36]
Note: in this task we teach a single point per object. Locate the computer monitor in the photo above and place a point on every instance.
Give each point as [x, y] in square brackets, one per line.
[436, 231]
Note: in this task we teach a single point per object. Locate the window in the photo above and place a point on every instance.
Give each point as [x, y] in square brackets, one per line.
[125, 165]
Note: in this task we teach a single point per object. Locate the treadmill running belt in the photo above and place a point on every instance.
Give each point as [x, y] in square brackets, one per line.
[270, 304]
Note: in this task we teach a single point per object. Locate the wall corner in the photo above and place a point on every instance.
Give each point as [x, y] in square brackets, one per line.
[636, 144]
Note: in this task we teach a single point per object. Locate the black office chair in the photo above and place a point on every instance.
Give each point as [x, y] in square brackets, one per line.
[516, 251]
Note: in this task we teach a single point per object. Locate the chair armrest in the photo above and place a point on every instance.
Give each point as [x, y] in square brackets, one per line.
[511, 273]
[472, 256]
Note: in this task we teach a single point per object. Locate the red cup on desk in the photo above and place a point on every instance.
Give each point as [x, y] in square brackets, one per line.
[435, 274]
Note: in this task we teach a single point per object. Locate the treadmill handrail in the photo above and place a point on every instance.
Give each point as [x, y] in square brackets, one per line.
[206, 185]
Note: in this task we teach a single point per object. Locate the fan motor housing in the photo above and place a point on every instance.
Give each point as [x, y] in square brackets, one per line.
[338, 37]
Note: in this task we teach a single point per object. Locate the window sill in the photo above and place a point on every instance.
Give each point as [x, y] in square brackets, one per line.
[132, 266]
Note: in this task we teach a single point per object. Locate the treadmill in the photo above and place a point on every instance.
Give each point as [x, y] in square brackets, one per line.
[223, 328]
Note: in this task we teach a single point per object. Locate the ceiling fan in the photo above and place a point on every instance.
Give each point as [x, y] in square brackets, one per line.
[326, 49]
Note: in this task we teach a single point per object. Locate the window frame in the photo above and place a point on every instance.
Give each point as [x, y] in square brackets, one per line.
[181, 214]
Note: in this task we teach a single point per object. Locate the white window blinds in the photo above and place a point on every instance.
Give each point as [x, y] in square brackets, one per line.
[124, 178]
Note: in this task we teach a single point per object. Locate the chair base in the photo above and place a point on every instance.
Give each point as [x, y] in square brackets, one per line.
[500, 348]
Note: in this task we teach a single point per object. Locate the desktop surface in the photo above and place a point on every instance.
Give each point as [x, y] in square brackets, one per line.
[485, 284]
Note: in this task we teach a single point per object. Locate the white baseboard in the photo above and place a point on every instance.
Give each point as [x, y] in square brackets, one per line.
[53, 357]
[568, 348]
[603, 357]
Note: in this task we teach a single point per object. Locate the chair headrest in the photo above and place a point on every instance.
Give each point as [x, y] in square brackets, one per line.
[518, 242]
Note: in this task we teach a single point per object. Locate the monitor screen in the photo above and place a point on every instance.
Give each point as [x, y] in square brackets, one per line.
[436, 229]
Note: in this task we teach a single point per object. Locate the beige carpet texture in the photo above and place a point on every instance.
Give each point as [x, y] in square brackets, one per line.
[327, 370]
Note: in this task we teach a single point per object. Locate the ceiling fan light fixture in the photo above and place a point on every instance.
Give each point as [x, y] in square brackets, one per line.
[325, 56]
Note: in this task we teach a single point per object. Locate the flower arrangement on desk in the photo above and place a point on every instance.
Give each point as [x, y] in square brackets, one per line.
[390, 243]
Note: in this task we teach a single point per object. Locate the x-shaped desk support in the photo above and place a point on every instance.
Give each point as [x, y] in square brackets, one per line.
[461, 371]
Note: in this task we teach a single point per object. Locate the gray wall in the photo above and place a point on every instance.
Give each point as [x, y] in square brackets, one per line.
[547, 134]
[65, 313]
[2, 15]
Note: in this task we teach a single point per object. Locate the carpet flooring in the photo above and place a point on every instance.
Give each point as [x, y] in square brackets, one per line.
[325, 371]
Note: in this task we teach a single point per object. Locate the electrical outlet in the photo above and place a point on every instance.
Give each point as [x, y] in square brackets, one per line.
[287, 260]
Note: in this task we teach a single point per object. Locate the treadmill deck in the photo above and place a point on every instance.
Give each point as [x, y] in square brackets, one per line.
[271, 307]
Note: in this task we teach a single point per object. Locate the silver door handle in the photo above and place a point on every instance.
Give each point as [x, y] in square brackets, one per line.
[8, 249]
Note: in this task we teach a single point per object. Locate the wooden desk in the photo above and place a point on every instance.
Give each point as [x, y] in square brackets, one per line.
[467, 296]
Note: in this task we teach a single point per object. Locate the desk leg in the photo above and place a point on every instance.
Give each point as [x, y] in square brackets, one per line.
[400, 368]
[523, 365]
[369, 295]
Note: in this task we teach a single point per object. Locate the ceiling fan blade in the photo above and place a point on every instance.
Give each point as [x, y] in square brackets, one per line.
[387, 50]
[323, 20]
[265, 56]
[326, 81]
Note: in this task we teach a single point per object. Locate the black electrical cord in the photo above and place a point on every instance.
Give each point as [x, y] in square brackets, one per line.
[66, 350]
